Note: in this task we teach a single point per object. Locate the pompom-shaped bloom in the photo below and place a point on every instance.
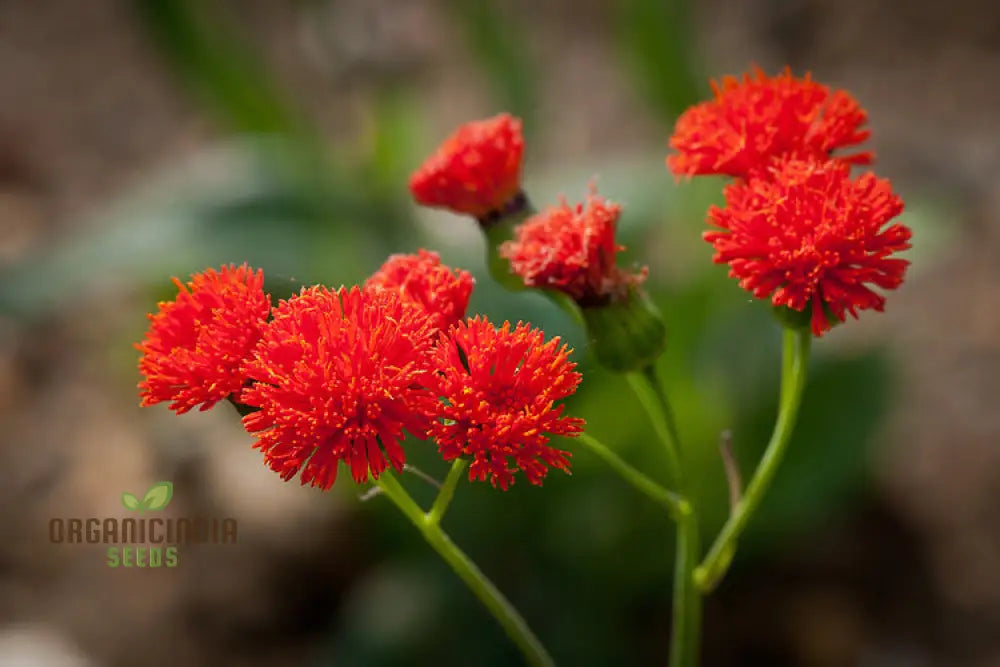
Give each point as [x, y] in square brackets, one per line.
[476, 171]
[195, 344]
[572, 249]
[757, 119]
[441, 291]
[810, 236]
[338, 376]
[499, 387]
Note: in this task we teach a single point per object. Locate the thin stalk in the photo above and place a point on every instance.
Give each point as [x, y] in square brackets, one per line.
[477, 582]
[685, 639]
[417, 472]
[674, 504]
[654, 401]
[447, 492]
[795, 358]
[656, 382]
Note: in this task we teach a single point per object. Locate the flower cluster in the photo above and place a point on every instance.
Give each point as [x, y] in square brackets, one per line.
[337, 376]
[811, 237]
[197, 343]
[442, 292]
[330, 376]
[796, 227]
[567, 251]
[476, 171]
[350, 375]
[757, 119]
[500, 386]
[572, 249]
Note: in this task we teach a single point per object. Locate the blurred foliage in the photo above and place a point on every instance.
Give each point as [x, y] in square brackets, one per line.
[656, 39]
[586, 559]
[215, 63]
[488, 31]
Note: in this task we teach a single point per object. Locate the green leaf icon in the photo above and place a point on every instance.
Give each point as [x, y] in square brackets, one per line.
[158, 496]
[129, 501]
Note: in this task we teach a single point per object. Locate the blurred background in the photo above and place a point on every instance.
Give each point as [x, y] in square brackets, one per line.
[148, 139]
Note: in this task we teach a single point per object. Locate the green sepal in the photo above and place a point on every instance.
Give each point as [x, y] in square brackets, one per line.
[793, 319]
[802, 319]
[626, 335]
[499, 228]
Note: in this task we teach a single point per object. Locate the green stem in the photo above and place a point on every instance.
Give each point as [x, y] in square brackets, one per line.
[675, 505]
[656, 382]
[447, 492]
[508, 617]
[496, 233]
[647, 389]
[795, 357]
[685, 639]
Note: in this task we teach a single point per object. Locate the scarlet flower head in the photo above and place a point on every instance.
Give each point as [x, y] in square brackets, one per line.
[810, 236]
[338, 377]
[476, 171]
[572, 249]
[499, 388]
[441, 291]
[195, 344]
[757, 119]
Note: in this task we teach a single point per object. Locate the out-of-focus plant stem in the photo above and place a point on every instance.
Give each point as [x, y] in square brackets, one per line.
[795, 358]
[685, 638]
[428, 523]
[446, 492]
[646, 387]
[676, 506]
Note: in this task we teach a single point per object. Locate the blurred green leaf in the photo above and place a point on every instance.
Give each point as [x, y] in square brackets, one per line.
[222, 206]
[497, 40]
[655, 37]
[176, 224]
[200, 41]
[829, 456]
[205, 51]
[394, 130]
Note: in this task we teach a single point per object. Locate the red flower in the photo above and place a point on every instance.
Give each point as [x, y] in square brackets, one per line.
[499, 387]
[192, 352]
[757, 119]
[476, 171]
[810, 236]
[572, 249]
[441, 291]
[338, 377]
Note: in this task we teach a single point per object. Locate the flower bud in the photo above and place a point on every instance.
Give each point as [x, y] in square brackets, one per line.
[626, 335]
